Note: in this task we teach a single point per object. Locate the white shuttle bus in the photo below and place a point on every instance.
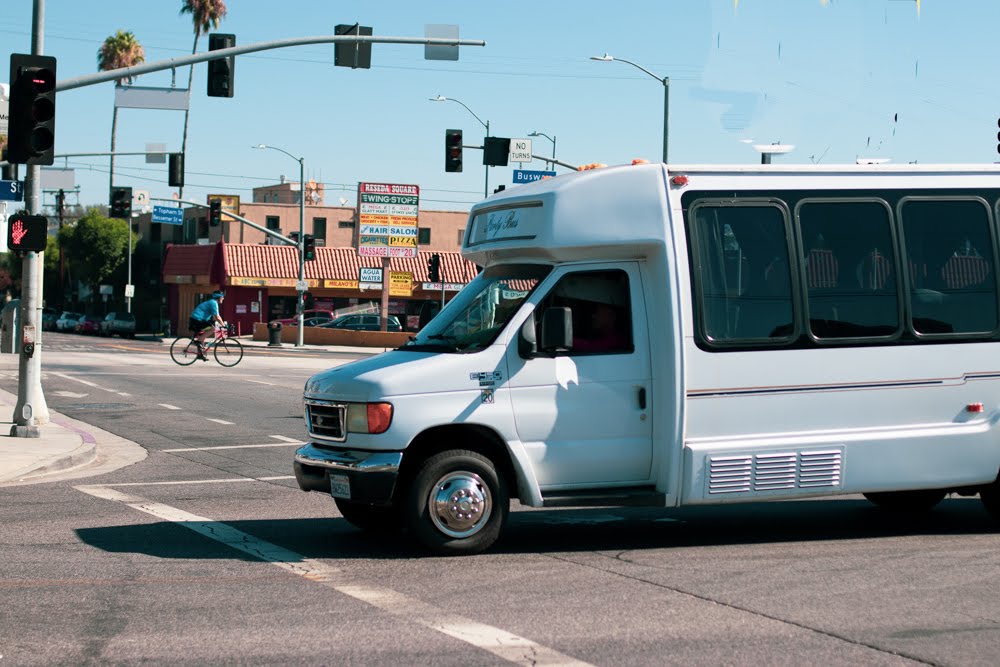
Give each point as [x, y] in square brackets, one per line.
[660, 335]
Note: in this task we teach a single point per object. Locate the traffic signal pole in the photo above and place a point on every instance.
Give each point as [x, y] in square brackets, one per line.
[31, 411]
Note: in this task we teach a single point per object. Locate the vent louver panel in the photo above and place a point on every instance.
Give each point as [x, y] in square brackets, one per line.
[774, 472]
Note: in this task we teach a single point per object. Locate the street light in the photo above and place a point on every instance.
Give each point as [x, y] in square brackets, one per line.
[553, 140]
[302, 235]
[486, 124]
[665, 80]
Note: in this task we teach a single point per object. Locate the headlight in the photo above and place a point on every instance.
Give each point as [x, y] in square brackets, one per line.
[368, 417]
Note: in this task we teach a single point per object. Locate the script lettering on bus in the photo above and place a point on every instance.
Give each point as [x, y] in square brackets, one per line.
[499, 224]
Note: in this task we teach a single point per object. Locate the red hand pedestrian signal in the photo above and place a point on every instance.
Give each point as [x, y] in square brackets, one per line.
[27, 232]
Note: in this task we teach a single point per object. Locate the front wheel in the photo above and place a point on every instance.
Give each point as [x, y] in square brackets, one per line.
[907, 501]
[184, 351]
[228, 352]
[456, 503]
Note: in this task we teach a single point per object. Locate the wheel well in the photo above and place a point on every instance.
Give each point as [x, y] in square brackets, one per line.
[458, 436]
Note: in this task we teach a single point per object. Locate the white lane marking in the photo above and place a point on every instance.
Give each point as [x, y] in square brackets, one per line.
[261, 382]
[209, 449]
[168, 406]
[70, 394]
[285, 438]
[202, 481]
[497, 641]
[90, 384]
[219, 421]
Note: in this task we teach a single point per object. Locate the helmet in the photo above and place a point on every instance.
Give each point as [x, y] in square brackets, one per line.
[218, 294]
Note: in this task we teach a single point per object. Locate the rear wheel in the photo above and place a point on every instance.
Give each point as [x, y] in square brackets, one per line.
[228, 352]
[456, 503]
[369, 518]
[907, 501]
[990, 495]
[184, 351]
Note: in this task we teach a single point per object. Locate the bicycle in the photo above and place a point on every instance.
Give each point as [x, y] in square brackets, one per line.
[227, 351]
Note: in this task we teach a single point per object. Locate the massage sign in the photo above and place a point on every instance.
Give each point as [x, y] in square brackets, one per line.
[388, 219]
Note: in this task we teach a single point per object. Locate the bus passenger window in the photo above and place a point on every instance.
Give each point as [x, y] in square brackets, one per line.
[950, 258]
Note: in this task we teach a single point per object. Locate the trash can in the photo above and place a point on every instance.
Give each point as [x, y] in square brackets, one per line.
[274, 334]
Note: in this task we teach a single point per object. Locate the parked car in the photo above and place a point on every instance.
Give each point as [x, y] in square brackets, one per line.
[307, 315]
[88, 324]
[49, 318]
[363, 323]
[122, 324]
[67, 321]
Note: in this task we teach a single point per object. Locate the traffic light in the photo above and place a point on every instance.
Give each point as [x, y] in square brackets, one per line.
[453, 150]
[175, 170]
[27, 232]
[215, 212]
[221, 70]
[434, 268]
[356, 55]
[998, 136]
[308, 247]
[31, 131]
[496, 150]
[121, 203]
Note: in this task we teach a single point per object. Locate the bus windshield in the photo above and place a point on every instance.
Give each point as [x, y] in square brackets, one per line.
[477, 315]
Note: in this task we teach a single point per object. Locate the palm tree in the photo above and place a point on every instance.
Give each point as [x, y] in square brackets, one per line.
[205, 14]
[119, 50]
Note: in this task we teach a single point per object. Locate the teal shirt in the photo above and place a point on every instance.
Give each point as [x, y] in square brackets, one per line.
[206, 310]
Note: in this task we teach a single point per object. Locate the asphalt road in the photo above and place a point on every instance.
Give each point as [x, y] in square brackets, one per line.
[207, 553]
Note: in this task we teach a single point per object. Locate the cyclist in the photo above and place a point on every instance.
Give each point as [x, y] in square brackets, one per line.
[202, 317]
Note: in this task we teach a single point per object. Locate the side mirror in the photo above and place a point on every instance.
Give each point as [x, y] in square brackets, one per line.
[557, 330]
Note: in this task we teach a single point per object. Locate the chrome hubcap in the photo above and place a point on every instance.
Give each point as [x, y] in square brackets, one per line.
[460, 504]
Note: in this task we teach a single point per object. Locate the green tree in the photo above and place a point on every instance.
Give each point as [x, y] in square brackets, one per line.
[205, 15]
[95, 247]
[119, 50]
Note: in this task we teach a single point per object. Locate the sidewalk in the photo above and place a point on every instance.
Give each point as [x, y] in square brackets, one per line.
[248, 341]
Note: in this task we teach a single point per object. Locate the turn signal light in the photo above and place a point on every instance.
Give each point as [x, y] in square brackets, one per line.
[370, 418]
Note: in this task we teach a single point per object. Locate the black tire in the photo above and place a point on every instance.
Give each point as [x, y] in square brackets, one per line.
[913, 502]
[184, 351]
[990, 496]
[369, 518]
[228, 352]
[443, 526]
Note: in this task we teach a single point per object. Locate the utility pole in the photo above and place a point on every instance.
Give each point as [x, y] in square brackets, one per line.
[61, 207]
[31, 410]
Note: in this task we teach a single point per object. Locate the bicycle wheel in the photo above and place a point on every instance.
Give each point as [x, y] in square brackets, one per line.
[184, 351]
[228, 352]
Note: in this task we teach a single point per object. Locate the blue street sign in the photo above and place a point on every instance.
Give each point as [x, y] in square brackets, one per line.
[11, 191]
[168, 215]
[527, 176]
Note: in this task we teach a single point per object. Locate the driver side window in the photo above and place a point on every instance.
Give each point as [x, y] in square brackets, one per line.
[601, 311]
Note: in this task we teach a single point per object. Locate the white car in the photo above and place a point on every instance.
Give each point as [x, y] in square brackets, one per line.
[67, 321]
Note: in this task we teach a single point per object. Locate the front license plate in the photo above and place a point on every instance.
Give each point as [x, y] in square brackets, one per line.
[340, 486]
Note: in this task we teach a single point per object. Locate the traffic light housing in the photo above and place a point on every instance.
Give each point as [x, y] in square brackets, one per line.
[121, 203]
[496, 150]
[452, 150]
[308, 247]
[215, 212]
[434, 268]
[221, 71]
[356, 55]
[175, 170]
[31, 131]
[27, 232]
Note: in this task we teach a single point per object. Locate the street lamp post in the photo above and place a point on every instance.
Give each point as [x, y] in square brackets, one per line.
[300, 305]
[553, 140]
[486, 124]
[665, 80]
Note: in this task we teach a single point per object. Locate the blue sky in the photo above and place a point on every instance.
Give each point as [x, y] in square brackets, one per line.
[839, 80]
